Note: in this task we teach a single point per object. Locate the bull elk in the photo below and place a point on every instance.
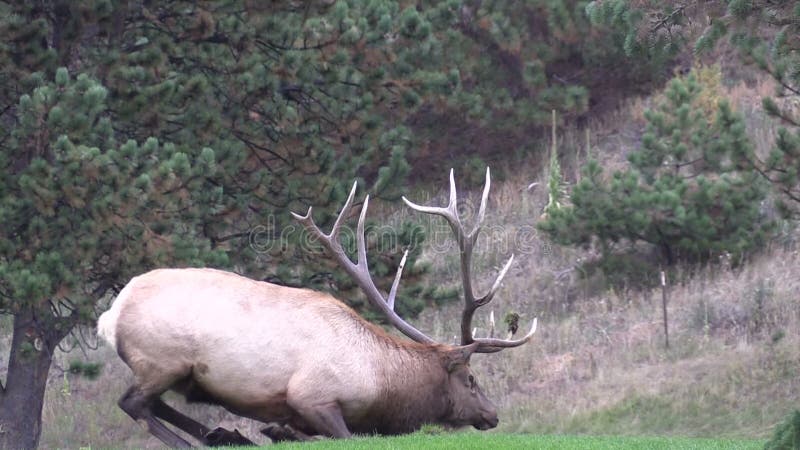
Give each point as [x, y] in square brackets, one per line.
[298, 360]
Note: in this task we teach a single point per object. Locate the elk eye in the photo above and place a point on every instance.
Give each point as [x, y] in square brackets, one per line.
[471, 381]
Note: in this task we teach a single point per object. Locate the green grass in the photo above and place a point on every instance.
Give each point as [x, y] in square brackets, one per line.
[480, 441]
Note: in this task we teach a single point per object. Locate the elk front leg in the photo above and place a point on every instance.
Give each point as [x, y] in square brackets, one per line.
[326, 418]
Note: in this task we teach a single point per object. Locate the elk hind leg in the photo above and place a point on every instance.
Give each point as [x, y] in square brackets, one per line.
[195, 393]
[139, 405]
[165, 412]
[212, 438]
[222, 437]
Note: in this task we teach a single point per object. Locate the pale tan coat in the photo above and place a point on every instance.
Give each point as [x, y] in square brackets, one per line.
[263, 351]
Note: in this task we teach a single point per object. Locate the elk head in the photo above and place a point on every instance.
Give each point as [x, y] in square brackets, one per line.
[472, 406]
[467, 403]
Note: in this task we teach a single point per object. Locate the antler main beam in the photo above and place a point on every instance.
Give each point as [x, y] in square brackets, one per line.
[359, 271]
[466, 243]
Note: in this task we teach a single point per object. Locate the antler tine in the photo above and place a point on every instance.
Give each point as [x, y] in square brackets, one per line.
[490, 345]
[393, 291]
[496, 285]
[305, 218]
[361, 245]
[347, 205]
[360, 271]
[329, 240]
[449, 212]
[484, 198]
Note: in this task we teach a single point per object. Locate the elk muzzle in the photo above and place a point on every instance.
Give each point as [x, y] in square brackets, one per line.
[488, 419]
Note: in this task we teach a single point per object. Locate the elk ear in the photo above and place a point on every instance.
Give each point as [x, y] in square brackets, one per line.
[459, 356]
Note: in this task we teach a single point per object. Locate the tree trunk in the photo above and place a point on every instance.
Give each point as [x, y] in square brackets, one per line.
[22, 397]
[668, 253]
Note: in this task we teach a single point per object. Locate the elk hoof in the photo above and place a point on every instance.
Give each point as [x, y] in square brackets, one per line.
[221, 437]
[282, 433]
[278, 433]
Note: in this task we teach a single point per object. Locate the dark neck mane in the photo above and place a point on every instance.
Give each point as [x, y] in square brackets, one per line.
[415, 391]
[414, 380]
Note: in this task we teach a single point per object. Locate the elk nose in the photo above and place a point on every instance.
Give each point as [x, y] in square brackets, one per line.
[486, 423]
[488, 419]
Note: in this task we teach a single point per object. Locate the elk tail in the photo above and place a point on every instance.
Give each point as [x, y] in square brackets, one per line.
[107, 323]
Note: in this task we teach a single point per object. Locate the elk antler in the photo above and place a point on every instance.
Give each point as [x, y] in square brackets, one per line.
[360, 271]
[466, 243]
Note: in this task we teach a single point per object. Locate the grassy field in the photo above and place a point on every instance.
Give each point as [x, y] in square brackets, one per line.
[478, 441]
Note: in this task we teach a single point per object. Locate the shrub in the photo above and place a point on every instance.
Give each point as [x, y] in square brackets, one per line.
[787, 434]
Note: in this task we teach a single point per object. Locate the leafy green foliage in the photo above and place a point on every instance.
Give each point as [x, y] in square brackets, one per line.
[81, 210]
[651, 42]
[206, 121]
[90, 370]
[257, 109]
[512, 64]
[688, 191]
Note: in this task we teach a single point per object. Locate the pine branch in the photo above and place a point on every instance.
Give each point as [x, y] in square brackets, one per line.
[507, 59]
[782, 82]
[665, 21]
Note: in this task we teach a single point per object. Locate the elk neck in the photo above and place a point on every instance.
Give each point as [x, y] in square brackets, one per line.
[414, 385]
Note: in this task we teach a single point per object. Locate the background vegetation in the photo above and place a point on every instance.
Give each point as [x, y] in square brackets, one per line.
[139, 135]
[688, 190]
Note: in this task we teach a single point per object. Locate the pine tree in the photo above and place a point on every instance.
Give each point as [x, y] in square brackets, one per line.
[181, 128]
[688, 191]
[81, 211]
[514, 63]
[767, 35]
[780, 58]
